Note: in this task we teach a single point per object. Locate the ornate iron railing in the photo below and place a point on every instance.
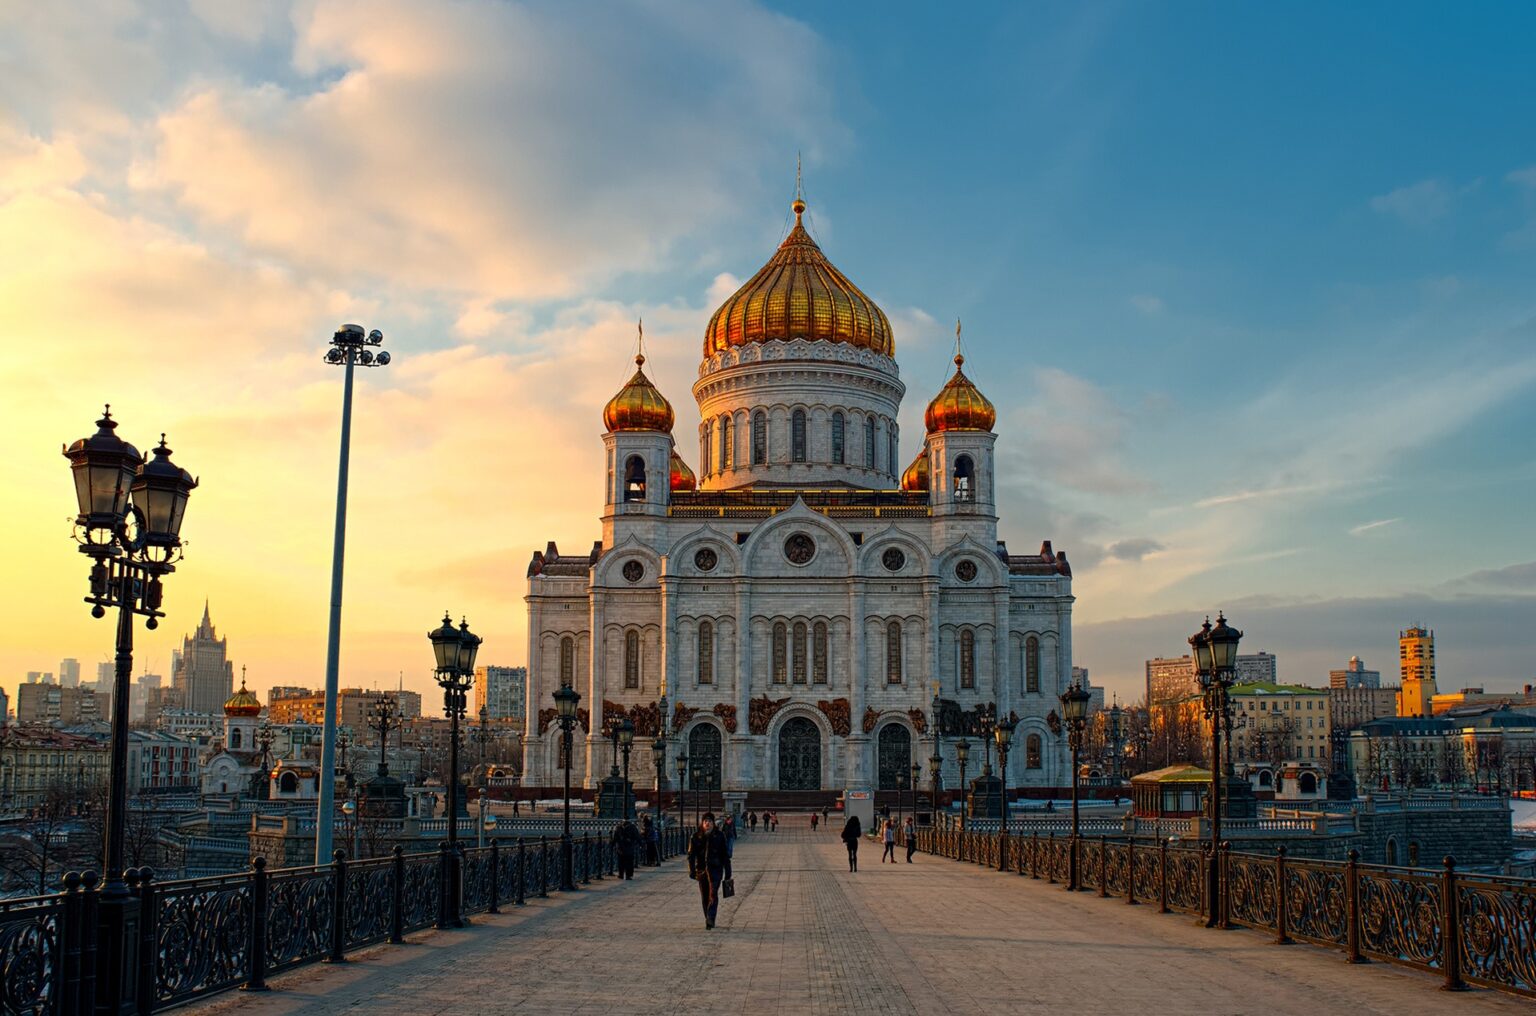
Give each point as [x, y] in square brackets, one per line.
[200, 936]
[1467, 928]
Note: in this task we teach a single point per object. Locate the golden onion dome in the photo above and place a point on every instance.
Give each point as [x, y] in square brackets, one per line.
[959, 405]
[915, 478]
[682, 476]
[799, 294]
[638, 405]
[242, 703]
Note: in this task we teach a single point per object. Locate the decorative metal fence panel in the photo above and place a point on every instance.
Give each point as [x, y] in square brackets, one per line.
[202, 936]
[1497, 922]
[422, 892]
[32, 955]
[369, 901]
[1186, 880]
[1253, 898]
[300, 908]
[1316, 902]
[1146, 873]
[1117, 868]
[479, 879]
[1400, 915]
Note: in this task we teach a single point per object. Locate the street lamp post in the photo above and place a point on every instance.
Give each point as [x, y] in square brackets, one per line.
[917, 775]
[935, 770]
[1002, 732]
[566, 699]
[350, 347]
[962, 754]
[129, 525]
[1215, 652]
[682, 790]
[626, 742]
[482, 736]
[454, 650]
[1074, 704]
[659, 758]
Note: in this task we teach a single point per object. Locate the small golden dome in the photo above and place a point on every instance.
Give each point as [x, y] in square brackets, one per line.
[242, 702]
[915, 478]
[638, 405]
[959, 405]
[682, 476]
[799, 294]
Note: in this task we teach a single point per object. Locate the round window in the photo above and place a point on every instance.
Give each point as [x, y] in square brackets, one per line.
[799, 549]
[705, 559]
[965, 571]
[893, 559]
[634, 571]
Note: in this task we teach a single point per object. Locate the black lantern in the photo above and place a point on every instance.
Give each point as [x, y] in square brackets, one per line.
[1223, 642]
[1074, 704]
[104, 467]
[962, 751]
[445, 644]
[566, 698]
[1002, 733]
[160, 492]
[469, 646]
[626, 733]
[1200, 644]
[659, 753]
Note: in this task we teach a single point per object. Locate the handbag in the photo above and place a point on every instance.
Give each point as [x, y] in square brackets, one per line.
[727, 888]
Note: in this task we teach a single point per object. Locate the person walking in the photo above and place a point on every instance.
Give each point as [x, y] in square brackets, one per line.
[775, 821]
[626, 841]
[814, 817]
[729, 828]
[708, 859]
[752, 820]
[888, 836]
[851, 834]
[910, 832]
[825, 817]
[652, 840]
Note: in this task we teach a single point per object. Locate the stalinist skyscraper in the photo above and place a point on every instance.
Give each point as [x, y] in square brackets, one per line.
[204, 677]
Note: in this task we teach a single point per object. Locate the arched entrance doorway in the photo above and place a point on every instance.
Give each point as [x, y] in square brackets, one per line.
[704, 758]
[894, 757]
[799, 755]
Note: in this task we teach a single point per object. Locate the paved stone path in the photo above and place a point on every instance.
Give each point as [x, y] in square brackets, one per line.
[805, 936]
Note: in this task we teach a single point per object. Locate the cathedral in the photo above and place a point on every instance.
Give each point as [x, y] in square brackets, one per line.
[802, 613]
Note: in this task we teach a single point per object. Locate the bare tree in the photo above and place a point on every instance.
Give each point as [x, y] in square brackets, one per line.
[40, 846]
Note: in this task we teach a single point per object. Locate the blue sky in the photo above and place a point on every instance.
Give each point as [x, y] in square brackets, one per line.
[1251, 286]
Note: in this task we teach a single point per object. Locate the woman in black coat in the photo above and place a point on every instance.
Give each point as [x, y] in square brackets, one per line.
[851, 833]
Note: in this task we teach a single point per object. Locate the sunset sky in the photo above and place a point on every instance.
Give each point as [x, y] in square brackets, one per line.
[1253, 286]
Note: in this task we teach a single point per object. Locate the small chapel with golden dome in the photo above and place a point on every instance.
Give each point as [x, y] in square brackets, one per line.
[800, 613]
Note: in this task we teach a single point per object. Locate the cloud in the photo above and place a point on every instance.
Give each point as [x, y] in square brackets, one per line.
[1418, 204]
[1149, 305]
[1258, 494]
[1073, 434]
[1133, 550]
[1515, 578]
[471, 148]
[1366, 527]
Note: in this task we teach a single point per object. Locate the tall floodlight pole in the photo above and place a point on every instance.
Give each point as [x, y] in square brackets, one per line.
[349, 348]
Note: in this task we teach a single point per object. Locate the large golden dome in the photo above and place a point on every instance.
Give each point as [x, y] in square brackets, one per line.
[799, 294]
[959, 405]
[638, 405]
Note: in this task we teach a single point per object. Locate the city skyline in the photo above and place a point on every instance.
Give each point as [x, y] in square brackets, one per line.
[1110, 233]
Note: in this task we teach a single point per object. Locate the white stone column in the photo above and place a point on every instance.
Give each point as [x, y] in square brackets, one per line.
[668, 686]
[741, 741]
[596, 680]
[858, 675]
[533, 742]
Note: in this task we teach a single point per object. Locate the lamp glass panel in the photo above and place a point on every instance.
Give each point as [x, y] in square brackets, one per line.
[445, 646]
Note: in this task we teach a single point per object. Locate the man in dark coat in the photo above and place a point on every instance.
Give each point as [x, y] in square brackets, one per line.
[651, 840]
[707, 861]
[851, 833]
[626, 841]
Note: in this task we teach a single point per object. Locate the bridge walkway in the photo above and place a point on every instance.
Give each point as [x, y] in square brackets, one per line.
[805, 936]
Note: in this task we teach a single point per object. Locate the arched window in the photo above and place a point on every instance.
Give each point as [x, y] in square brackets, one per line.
[869, 442]
[893, 653]
[799, 657]
[634, 479]
[631, 659]
[288, 783]
[706, 652]
[797, 435]
[234, 738]
[780, 653]
[1032, 664]
[967, 658]
[837, 438]
[965, 478]
[567, 661]
[1307, 784]
[819, 653]
[1032, 752]
[890, 450]
[759, 438]
[706, 454]
[725, 443]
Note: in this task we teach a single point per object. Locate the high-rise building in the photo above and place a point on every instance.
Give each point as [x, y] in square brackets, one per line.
[1354, 675]
[204, 678]
[56, 704]
[1172, 678]
[354, 707]
[499, 690]
[39, 677]
[69, 673]
[5, 707]
[1416, 657]
[105, 671]
[138, 695]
